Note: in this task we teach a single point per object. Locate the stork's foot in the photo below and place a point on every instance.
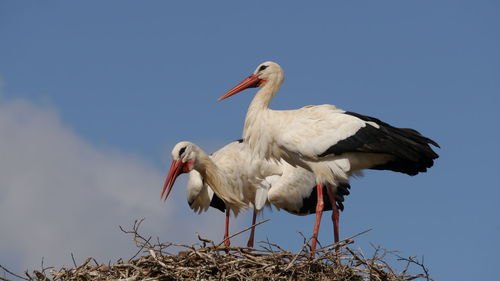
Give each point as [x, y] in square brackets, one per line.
[335, 214]
[227, 243]
[250, 243]
[314, 241]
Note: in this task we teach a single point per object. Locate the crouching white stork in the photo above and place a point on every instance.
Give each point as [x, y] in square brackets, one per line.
[254, 182]
[328, 141]
[221, 173]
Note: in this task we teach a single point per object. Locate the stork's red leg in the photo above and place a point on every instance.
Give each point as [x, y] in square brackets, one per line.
[227, 243]
[252, 232]
[335, 214]
[319, 213]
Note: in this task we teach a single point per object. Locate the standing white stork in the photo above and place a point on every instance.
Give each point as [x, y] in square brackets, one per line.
[250, 181]
[328, 141]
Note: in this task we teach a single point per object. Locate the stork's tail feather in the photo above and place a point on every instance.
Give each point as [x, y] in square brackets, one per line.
[342, 191]
[412, 151]
[309, 204]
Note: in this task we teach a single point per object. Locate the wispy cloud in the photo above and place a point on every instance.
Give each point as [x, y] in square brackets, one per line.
[60, 194]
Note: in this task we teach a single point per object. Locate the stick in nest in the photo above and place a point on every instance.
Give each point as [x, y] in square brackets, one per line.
[270, 263]
[239, 232]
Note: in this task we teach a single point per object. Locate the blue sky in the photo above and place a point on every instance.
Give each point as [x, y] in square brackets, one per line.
[94, 94]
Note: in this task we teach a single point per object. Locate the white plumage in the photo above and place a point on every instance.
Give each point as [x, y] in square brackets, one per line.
[330, 142]
[252, 181]
[199, 194]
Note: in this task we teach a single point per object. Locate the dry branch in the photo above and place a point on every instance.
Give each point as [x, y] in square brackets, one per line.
[209, 261]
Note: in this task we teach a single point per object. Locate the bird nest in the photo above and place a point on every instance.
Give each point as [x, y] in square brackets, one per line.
[210, 261]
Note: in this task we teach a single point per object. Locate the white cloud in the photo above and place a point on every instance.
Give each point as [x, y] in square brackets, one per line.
[61, 195]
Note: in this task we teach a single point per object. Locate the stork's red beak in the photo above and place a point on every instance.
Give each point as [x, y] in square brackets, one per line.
[175, 171]
[251, 82]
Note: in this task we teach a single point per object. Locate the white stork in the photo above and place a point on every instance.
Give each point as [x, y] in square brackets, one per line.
[328, 141]
[250, 181]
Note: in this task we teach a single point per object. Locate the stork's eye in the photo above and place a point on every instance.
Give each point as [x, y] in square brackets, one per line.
[263, 67]
[182, 151]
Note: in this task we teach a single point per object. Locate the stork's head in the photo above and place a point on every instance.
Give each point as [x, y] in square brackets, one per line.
[183, 161]
[266, 72]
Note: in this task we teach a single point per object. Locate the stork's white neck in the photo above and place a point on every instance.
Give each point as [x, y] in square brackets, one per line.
[258, 119]
[265, 94]
[217, 180]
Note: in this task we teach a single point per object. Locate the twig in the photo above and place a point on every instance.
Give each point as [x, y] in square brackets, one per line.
[297, 255]
[420, 264]
[343, 241]
[73, 258]
[270, 262]
[139, 240]
[4, 279]
[239, 232]
[205, 241]
[12, 273]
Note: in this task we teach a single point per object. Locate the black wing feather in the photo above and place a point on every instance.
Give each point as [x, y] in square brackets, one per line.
[412, 151]
[217, 203]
